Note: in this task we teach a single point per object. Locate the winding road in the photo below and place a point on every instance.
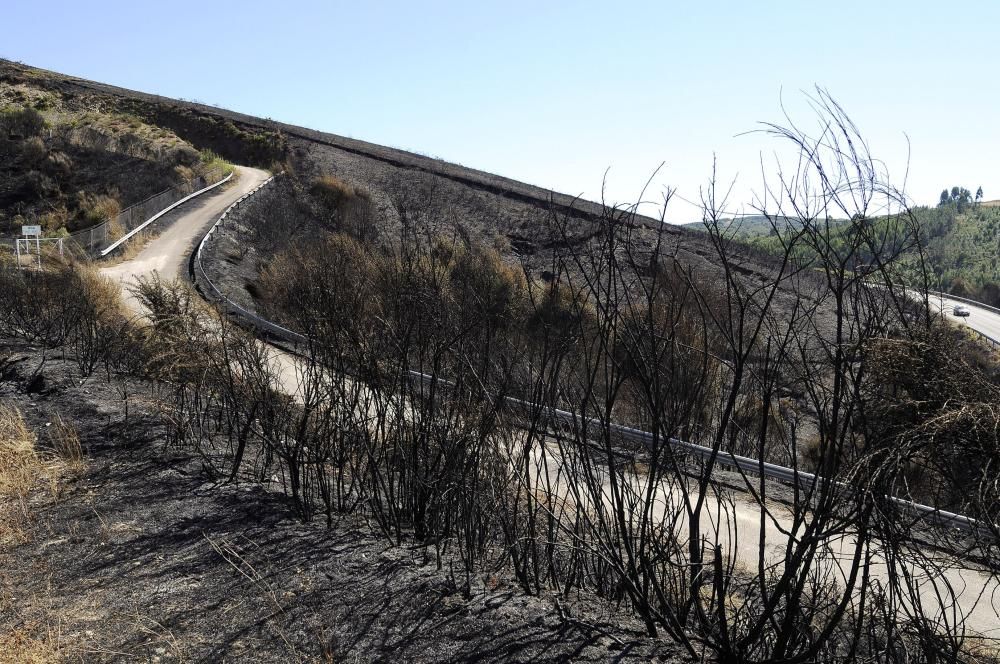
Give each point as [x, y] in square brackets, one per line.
[167, 254]
[740, 527]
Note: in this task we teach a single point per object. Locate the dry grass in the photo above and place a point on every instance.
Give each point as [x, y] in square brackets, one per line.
[19, 462]
[20, 94]
[130, 249]
[981, 649]
[58, 217]
[65, 441]
[21, 646]
[211, 162]
[102, 292]
[23, 468]
[19, 468]
[333, 190]
[52, 259]
[184, 173]
[116, 230]
[98, 208]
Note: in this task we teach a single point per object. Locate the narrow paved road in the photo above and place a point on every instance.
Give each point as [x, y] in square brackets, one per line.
[167, 254]
[736, 523]
[978, 594]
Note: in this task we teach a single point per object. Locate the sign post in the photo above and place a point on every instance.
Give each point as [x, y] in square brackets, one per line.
[36, 232]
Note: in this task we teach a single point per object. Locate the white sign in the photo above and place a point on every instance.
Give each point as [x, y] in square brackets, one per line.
[28, 231]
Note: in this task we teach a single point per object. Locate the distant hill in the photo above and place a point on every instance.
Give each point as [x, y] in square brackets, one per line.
[748, 227]
[962, 246]
[963, 249]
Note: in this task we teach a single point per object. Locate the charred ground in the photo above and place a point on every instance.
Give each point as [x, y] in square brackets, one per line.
[142, 556]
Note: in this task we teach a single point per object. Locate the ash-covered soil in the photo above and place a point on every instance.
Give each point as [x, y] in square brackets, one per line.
[141, 556]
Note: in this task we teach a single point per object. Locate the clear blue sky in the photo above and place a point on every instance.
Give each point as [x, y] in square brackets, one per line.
[554, 93]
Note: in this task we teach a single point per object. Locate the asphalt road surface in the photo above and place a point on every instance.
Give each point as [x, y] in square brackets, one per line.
[979, 318]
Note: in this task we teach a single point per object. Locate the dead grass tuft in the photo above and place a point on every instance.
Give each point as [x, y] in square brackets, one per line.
[19, 467]
[22, 469]
[334, 191]
[130, 249]
[19, 463]
[184, 173]
[22, 647]
[65, 441]
[103, 293]
[98, 208]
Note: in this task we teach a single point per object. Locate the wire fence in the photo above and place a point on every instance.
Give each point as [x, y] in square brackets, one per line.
[92, 241]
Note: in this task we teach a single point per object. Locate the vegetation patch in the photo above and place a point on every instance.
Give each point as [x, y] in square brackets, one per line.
[242, 144]
[19, 462]
[959, 243]
[66, 166]
[27, 646]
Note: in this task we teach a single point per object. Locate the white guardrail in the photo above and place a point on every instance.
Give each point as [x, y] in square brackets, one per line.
[233, 308]
[128, 236]
[745, 464]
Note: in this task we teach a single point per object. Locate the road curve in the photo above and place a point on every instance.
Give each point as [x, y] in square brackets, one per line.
[167, 254]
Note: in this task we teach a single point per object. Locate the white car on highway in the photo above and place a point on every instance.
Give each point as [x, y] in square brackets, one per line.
[959, 310]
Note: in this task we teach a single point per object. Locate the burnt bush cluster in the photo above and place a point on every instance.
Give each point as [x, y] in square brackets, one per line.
[426, 401]
[938, 417]
[74, 309]
[468, 404]
[20, 123]
[463, 401]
